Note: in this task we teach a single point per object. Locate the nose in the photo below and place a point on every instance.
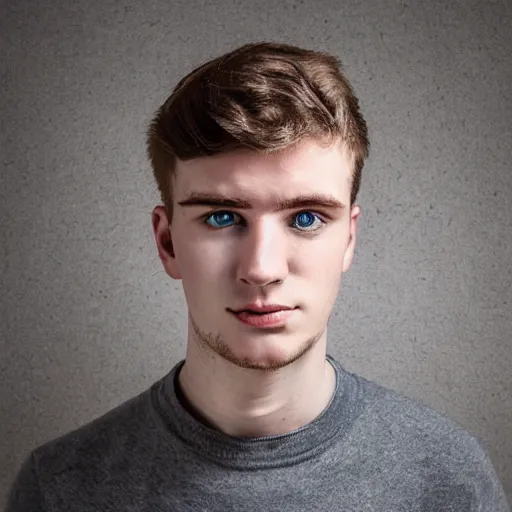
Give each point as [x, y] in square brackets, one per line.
[263, 257]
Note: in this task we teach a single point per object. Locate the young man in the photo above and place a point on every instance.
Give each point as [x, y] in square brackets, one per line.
[258, 157]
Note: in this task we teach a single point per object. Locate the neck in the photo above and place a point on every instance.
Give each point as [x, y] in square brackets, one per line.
[244, 402]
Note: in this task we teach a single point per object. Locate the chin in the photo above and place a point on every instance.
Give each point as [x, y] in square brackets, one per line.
[259, 349]
[269, 352]
[270, 360]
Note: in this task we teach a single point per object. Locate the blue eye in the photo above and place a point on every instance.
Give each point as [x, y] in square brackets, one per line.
[221, 219]
[305, 220]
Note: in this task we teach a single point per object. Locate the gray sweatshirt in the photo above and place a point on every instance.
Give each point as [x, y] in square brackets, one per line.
[371, 449]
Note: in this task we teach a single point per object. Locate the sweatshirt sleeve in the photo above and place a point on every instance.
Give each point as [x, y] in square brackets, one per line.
[490, 493]
[476, 486]
[25, 494]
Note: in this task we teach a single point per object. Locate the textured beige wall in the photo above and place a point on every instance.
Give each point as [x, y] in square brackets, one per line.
[88, 319]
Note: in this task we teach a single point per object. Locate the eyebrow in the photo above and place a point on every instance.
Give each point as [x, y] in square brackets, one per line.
[302, 201]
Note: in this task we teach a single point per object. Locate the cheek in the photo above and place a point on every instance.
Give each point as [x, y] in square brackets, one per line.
[323, 282]
[201, 262]
[324, 277]
[322, 261]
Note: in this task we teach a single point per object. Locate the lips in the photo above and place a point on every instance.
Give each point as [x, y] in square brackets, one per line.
[262, 309]
[264, 316]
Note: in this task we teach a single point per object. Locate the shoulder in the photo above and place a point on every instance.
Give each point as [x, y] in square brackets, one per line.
[427, 448]
[98, 443]
[409, 424]
[69, 468]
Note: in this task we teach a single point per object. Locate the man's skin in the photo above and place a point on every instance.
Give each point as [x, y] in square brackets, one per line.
[240, 379]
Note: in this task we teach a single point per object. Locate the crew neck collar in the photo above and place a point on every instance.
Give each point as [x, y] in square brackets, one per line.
[258, 452]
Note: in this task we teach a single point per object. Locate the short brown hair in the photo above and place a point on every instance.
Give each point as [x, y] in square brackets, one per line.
[261, 96]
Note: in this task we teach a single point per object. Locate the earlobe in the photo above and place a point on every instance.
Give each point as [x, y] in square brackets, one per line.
[169, 247]
[349, 252]
[164, 243]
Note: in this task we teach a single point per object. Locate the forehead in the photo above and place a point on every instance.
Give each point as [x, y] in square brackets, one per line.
[307, 167]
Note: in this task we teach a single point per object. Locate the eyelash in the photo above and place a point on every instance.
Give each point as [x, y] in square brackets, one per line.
[317, 215]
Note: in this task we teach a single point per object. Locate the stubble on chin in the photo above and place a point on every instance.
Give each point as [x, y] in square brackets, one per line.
[213, 344]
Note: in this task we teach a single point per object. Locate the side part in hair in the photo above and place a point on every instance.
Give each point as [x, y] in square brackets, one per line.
[263, 97]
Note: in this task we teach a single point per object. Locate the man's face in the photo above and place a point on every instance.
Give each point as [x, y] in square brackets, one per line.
[250, 252]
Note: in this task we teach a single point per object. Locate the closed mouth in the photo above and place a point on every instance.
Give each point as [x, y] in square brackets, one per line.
[254, 312]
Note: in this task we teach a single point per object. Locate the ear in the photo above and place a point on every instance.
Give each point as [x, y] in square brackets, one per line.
[349, 252]
[163, 239]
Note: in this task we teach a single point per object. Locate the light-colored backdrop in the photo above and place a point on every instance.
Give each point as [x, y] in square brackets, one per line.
[89, 319]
